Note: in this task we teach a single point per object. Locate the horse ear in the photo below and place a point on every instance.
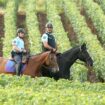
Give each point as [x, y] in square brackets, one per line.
[83, 46]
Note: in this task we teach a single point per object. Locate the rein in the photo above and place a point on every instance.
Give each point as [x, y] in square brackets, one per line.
[81, 50]
[45, 67]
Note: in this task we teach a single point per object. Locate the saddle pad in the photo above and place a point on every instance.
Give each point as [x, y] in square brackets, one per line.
[10, 66]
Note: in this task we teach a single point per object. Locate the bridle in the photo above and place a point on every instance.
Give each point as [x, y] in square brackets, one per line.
[86, 58]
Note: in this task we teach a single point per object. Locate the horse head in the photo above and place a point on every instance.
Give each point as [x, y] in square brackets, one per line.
[83, 55]
[51, 62]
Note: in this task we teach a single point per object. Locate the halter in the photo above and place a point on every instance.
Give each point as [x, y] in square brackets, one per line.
[81, 50]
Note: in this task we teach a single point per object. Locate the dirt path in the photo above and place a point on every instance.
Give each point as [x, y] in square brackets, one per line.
[42, 18]
[68, 28]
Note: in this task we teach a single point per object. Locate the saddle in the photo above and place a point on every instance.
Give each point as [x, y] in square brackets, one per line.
[10, 66]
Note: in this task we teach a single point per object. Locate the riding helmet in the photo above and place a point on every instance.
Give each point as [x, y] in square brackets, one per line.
[49, 25]
[20, 30]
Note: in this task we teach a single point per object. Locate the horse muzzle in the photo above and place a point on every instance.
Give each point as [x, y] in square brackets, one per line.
[90, 64]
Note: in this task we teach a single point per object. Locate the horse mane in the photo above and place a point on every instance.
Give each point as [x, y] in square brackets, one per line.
[33, 56]
[71, 50]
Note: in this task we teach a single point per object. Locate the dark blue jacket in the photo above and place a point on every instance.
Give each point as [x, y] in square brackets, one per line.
[51, 42]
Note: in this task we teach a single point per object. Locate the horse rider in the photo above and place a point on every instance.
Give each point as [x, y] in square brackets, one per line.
[18, 49]
[48, 39]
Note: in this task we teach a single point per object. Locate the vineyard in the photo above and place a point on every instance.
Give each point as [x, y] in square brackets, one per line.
[75, 22]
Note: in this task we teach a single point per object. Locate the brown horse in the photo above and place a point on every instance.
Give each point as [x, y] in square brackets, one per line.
[32, 68]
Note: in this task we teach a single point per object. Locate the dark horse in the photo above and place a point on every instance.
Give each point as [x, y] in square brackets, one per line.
[32, 68]
[66, 60]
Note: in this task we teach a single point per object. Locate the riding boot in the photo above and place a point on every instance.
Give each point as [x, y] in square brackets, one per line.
[18, 69]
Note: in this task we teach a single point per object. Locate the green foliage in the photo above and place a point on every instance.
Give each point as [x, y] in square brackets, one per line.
[10, 26]
[84, 35]
[46, 91]
[97, 16]
[53, 16]
[40, 5]
[78, 72]
[3, 3]
[32, 26]
[101, 3]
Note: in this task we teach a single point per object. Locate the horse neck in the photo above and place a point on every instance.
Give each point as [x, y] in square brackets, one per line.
[40, 57]
[36, 62]
[71, 56]
[43, 57]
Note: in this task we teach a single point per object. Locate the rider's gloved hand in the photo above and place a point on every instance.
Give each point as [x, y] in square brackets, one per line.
[23, 50]
[54, 50]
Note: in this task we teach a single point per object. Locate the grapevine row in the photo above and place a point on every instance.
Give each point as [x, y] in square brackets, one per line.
[97, 16]
[10, 26]
[84, 35]
[33, 27]
[101, 3]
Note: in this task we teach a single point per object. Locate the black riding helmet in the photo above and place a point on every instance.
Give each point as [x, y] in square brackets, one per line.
[49, 25]
[20, 30]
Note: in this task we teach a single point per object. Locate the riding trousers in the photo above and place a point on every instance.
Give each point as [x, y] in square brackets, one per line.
[18, 60]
